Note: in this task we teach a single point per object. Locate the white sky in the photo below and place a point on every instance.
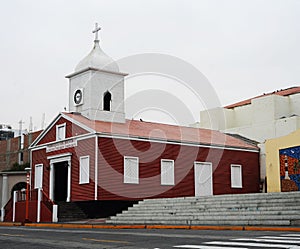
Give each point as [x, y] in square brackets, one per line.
[243, 47]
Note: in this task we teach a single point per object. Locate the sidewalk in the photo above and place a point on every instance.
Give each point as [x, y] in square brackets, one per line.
[100, 224]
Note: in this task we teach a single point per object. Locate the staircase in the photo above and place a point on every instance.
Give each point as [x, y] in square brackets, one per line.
[267, 209]
[69, 211]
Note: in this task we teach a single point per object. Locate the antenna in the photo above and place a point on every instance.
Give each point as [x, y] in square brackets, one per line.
[20, 127]
[30, 124]
[43, 122]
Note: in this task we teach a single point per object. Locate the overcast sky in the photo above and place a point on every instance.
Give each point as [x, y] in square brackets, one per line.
[243, 47]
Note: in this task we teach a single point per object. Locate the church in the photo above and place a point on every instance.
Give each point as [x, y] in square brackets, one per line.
[93, 156]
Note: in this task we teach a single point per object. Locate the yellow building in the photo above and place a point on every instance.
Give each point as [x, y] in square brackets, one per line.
[283, 163]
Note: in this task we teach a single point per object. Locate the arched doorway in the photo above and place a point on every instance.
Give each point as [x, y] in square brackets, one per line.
[18, 186]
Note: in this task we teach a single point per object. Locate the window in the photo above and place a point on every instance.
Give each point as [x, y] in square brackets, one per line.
[84, 170]
[167, 172]
[131, 170]
[60, 132]
[236, 176]
[106, 101]
[38, 177]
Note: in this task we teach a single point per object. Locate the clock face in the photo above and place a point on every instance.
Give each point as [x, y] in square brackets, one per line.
[78, 97]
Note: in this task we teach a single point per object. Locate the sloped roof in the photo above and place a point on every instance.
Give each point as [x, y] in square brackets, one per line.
[282, 92]
[158, 131]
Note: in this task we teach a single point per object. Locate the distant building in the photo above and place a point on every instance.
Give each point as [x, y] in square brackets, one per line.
[6, 132]
[260, 118]
[15, 150]
[13, 154]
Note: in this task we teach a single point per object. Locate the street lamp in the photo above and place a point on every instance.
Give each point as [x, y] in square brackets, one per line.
[27, 194]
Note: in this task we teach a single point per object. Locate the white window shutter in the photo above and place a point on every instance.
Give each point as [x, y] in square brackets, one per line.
[60, 132]
[167, 172]
[38, 177]
[236, 176]
[131, 170]
[84, 170]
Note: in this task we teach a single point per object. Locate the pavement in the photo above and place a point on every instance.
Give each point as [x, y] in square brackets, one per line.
[100, 224]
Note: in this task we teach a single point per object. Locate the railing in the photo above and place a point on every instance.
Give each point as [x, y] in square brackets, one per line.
[21, 195]
[41, 207]
[47, 201]
[8, 210]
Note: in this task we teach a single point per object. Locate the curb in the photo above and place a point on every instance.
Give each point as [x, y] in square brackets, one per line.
[185, 227]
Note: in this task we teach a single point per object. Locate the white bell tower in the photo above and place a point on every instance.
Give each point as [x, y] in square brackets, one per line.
[96, 88]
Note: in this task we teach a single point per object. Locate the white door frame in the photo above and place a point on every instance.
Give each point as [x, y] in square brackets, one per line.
[208, 180]
[57, 159]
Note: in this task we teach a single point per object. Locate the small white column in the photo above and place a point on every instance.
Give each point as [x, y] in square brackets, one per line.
[4, 190]
[51, 182]
[69, 181]
[38, 215]
[2, 214]
[54, 213]
[14, 205]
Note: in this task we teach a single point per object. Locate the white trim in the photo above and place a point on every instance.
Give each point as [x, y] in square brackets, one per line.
[131, 180]
[57, 159]
[58, 127]
[175, 142]
[96, 167]
[69, 181]
[30, 173]
[83, 181]
[240, 177]
[94, 69]
[15, 194]
[77, 138]
[38, 215]
[161, 172]
[51, 182]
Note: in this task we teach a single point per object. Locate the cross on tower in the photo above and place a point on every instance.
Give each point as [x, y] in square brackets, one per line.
[96, 30]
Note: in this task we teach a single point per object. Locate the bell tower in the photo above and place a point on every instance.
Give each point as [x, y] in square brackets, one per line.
[96, 88]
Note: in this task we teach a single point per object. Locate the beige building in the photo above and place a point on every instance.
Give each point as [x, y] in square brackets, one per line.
[260, 118]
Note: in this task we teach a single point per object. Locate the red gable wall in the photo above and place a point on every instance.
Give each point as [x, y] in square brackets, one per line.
[71, 131]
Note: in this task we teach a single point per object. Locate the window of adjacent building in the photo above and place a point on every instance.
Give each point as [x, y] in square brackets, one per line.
[107, 101]
[131, 170]
[60, 132]
[84, 170]
[167, 172]
[38, 177]
[236, 176]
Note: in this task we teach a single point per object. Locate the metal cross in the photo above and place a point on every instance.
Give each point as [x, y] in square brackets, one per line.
[96, 30]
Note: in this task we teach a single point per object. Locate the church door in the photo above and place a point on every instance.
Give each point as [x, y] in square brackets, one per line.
[60, 181]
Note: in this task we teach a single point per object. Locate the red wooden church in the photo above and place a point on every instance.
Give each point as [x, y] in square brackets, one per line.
[96, 158]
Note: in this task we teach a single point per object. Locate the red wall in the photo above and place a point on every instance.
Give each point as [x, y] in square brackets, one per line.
[111, 156]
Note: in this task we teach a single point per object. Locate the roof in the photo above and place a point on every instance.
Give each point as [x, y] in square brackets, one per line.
[245, 139]
[97, 59]
[158, 131]
[282, 92]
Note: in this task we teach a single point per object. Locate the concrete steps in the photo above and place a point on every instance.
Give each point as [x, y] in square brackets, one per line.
[69, 211]
[269, 209]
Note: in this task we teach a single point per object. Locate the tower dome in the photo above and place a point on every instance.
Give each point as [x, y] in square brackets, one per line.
[97, 58]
